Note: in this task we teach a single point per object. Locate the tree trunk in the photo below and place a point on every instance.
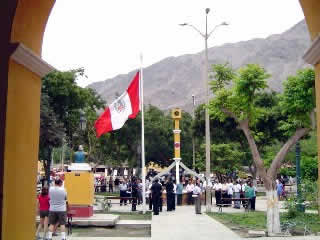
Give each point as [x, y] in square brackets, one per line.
[253, 171]
[47, 166]
[273, 214]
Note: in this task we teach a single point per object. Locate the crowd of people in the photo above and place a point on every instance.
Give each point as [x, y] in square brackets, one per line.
[227, 190]
[193, 187]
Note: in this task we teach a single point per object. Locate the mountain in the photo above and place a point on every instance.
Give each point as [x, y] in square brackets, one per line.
[172, 81]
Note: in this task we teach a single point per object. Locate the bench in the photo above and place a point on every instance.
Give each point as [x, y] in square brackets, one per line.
[245, 203]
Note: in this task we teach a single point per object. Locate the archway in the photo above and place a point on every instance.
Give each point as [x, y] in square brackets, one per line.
[21, 69]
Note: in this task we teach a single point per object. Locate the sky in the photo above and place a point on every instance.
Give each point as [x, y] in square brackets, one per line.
[106, 37]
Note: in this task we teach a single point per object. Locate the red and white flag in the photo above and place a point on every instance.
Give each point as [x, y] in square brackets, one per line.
[124, 107]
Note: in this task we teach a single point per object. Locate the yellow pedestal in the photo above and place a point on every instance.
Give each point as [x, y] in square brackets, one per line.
[80, 188]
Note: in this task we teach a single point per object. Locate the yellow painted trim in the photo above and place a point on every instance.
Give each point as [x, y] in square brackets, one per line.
[21, 153]
[311, 9]
[317, 69]
[22, 125]
[176, 124]
[30, 21]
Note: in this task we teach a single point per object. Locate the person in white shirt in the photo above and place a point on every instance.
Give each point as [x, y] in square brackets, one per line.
[189, 190]
[224, 192]
[196, 194]
[237, 190]
[230, 191]
[58, 208]
[123, 192]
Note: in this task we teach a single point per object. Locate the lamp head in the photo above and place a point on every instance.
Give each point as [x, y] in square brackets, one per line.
[207, 10]
[225, 24]
[183, 24]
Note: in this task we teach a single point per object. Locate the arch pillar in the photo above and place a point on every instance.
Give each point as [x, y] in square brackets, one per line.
[311, 9]
[25, 22]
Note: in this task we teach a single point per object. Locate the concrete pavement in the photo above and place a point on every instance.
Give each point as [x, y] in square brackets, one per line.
[184, 224]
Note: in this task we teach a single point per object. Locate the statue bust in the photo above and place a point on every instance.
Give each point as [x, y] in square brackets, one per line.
[79, 156]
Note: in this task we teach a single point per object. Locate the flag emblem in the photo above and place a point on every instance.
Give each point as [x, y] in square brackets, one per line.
[120, 106]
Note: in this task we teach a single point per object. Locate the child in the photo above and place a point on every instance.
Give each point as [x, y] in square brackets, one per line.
[43, 202]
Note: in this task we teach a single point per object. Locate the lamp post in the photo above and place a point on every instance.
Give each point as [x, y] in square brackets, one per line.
[83, 121]
[206, 35]
[193, 143]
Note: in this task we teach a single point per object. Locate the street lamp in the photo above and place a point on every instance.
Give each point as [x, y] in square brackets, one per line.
[193, 143]
[83, 121]
[206, 36]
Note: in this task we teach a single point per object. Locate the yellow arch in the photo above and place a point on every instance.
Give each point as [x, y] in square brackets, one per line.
[22, 124]
[311, 9]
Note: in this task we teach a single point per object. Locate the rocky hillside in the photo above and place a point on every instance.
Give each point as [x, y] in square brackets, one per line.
[172, 81]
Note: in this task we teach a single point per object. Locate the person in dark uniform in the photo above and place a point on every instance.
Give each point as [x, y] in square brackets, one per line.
[156, 193]
[170, 195]
[162, 183]
[111, 185]
[134, 192]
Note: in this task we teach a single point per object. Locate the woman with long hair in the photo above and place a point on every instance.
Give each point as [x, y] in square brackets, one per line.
[43, 202]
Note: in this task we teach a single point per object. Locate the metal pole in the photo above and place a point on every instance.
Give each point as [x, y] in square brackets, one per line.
[142, 143]
[298, 170]
[208, 195]
[62, 155]
[193, 140]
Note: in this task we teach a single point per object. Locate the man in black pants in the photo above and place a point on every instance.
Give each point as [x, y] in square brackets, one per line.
[156, 193]
[134, 191]
[170, 195]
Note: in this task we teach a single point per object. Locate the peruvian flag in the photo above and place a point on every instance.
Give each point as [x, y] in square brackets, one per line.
[124, 107]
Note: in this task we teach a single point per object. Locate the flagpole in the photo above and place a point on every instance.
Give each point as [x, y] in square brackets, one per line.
[142, 142]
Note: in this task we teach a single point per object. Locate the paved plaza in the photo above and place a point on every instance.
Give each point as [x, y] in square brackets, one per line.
[184, 224]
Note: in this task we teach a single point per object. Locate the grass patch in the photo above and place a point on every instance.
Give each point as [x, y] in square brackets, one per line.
[261, 194]
[106, 194]
[248, 220]
[257, 221]
[312, 221]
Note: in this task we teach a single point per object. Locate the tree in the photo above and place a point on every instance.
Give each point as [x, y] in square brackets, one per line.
[225, 158]
[51, 133]
[67, 99]
[297, 103]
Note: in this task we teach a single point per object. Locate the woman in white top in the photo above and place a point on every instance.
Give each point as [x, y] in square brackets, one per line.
[237, 190]
[189, 190]
[224, 192]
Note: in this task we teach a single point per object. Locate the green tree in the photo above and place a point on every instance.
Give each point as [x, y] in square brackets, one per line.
[225, 158]
[51, 133]
[67, 99]
[297, 103]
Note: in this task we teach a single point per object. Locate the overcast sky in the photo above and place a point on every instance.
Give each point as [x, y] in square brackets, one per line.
[106, 36]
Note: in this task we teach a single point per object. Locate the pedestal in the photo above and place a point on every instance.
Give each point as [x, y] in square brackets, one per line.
[80, 192]
[81, 211]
